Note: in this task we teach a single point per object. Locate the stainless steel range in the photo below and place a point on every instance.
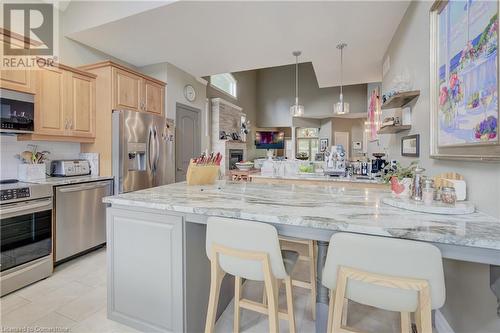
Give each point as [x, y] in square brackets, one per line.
[26, 234]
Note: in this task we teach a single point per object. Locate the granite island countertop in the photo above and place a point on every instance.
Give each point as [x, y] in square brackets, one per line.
[330, 208]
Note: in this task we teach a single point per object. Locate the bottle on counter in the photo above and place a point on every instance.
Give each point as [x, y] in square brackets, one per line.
[428, 191]
[416, 193]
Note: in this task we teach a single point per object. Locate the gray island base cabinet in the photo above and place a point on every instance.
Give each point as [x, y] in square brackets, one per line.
[151, 286]
[158, 272]
[145, 270]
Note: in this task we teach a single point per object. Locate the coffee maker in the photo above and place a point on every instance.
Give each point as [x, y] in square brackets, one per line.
[335, 161]
[378, 164]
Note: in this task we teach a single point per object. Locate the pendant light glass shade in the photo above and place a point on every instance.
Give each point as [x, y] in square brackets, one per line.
[341, 107]
[297, 110]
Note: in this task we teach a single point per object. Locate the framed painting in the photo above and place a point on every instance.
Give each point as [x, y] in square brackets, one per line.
[464, 80]
[410, 145]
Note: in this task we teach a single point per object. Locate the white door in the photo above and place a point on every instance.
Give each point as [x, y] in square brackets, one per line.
[188, 139]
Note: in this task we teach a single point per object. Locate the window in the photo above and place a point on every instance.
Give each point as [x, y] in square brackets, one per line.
[225, 82]
[308, 142]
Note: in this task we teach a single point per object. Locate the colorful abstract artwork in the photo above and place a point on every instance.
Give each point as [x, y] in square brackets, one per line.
[373, 122]
[468, 73]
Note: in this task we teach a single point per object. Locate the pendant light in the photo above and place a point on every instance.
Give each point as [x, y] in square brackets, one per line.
[297, 110]
[341, 107]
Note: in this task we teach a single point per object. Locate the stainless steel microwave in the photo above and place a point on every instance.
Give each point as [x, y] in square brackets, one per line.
[17, 112]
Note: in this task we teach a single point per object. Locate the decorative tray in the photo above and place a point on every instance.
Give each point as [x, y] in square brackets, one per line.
[437, 207]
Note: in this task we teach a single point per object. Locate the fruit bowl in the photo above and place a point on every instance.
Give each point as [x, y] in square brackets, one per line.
[244, 166]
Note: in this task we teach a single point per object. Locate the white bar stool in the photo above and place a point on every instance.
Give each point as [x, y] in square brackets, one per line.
[391, 274]
[249, 250]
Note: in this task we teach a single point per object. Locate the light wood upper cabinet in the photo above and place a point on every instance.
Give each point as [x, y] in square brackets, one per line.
[80, 105]
[127, 89]
[65, 105]
[119, 87]
[50, 118]
[18, 80]
[153, 97]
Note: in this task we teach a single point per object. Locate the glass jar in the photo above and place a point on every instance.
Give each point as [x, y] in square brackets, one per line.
[428, 191]
[448, 195]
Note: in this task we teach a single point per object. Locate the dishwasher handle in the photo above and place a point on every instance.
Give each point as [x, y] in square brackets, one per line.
[85, 187]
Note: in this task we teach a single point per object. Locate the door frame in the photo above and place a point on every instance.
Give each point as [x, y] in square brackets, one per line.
[190, 108]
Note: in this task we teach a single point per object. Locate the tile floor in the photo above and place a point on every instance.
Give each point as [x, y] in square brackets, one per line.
[74, 298]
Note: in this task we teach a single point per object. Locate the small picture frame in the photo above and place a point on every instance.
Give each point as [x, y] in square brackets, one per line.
[323, 145]
[410, 145]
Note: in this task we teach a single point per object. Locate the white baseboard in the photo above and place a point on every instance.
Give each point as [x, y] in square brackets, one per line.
[441, 324]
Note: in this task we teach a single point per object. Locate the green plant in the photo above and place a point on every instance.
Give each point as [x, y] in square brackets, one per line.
[400, 171]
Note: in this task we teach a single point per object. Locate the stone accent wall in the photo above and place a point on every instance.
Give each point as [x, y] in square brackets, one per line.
[226, 117]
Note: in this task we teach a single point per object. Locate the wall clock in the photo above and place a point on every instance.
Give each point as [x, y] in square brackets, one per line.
[189, 93]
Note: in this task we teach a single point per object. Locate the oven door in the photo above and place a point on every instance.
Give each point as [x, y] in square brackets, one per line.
[26, 232]
[17, 111]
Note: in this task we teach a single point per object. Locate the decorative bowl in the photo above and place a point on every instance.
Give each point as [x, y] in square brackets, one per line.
[244, 166]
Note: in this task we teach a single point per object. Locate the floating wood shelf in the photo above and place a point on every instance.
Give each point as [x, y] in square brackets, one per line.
[400, 99]
[393, 129]
[354, 115]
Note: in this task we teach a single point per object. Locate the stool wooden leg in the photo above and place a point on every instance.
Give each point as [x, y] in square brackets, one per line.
[423, 314]
[312, 270]
[216, 276]
[338, 305]
[272, 300]
[237, 297]
[344, 312]
[264, 295]
[405, 322]
[289, 304]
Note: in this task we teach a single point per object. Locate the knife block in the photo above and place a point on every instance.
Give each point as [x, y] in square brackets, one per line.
[202, 174]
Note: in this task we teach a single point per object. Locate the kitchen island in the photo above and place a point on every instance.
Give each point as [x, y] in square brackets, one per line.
[158, 273]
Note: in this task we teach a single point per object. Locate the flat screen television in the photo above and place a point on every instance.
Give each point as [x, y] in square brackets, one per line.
[269, 140]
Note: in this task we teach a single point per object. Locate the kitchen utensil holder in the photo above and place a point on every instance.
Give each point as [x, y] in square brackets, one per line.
[28, 172]
[202, 174]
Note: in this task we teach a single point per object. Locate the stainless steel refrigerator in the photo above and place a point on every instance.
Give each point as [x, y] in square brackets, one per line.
[143, 150]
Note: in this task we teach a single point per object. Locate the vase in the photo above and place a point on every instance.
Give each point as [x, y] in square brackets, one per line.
[401, 188]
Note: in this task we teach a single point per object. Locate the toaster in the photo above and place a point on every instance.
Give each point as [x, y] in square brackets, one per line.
[68, 168]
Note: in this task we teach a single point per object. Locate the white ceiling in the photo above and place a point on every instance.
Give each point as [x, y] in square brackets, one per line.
[207, 37]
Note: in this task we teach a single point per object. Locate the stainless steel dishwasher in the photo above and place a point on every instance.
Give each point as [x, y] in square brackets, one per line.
[80, 217]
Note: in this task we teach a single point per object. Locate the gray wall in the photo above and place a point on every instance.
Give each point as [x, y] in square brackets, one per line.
[276, 92]
[246, 99]
[470, 305]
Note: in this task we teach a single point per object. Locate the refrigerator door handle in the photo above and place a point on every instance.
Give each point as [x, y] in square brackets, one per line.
[149, 150]
[157, 150]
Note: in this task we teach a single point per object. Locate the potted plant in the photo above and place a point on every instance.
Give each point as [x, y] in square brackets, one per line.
[400, 179]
